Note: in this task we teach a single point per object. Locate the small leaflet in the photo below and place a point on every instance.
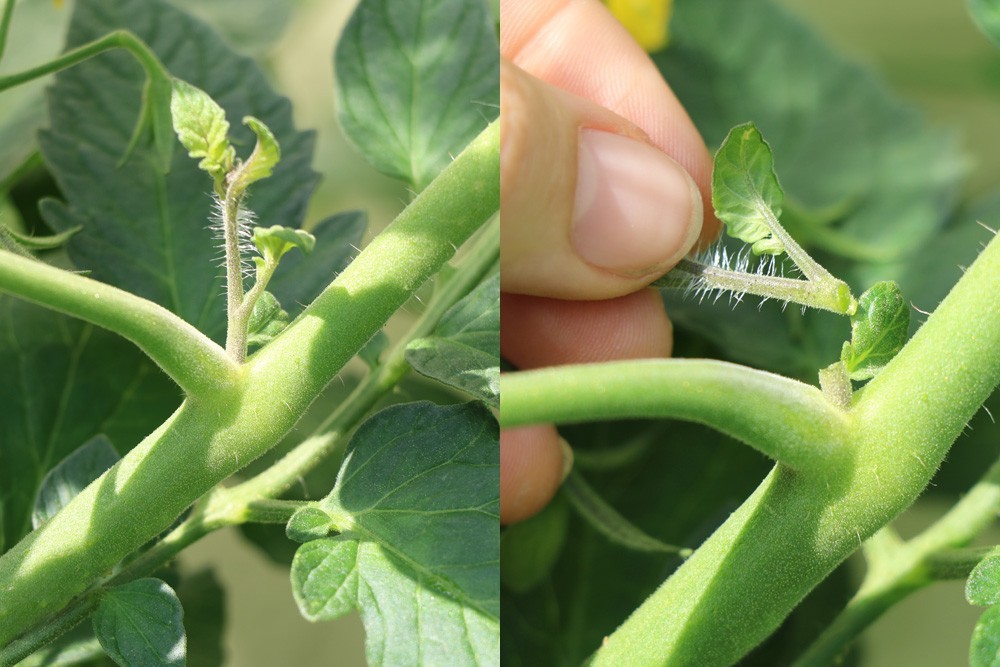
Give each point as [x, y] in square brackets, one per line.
[745, 190]
[202, 128]
[878, 330]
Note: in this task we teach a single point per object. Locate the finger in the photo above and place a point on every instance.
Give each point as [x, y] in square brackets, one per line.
[538, 332]
[531, 469]
[591, 210]
[578, 46]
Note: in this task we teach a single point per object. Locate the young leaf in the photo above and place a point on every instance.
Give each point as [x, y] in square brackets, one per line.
[202, 128]
[464, 351]
[745, 190]
[416, 81]
[71, 476]
[983, 586]
[987, 16]
[984, 650]
[143, 230]
[273, 242]
[141, 623]
[265, 157]
[878, 330]
[418, 501]
[307, 524]
[607, 521]
[267, 320]
[302, 278]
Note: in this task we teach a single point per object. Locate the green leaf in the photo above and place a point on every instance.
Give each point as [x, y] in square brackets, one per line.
[301, 278]
[729, 62]
[140, 623]
[309, 523]
[606, 520]
[985, 648]
[987, 16]
[983, 586]
[529, 549]
[71, 476]
[265, 157]
[464, 351]
[202, 128]
[44, 242]
[745, 189]
[273, 242]
[418, 500]
[878, 330]
[63, 383]
[416, 81]
[267, 320]
[145, 231]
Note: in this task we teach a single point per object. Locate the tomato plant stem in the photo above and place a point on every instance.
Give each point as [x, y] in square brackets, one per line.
[189, 357]
[211, 437]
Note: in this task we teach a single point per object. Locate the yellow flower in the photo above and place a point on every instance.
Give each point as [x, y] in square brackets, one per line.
[648, 21]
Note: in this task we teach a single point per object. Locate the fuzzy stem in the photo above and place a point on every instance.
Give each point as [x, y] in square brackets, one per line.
[207, 440]
[897, 569]
[236, 329]
[787, 420]
[197, 364]
[795, 529]
[826, 293]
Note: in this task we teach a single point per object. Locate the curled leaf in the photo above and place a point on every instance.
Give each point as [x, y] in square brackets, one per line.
[745, 190]
[273, 242]
[202, 128]
[878, 330]
[265, 156]
[983, 586]
[267, 320]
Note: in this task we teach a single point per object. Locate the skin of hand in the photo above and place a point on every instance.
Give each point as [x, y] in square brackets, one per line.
[602, 175]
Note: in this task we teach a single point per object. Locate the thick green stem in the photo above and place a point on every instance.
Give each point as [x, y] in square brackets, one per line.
[197, 364]
[210, 438]
[787, 420]
[790, 534]
[800, 523]
[897, 569]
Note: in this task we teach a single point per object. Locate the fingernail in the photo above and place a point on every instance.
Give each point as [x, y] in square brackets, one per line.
[567, 460]
[636, 210]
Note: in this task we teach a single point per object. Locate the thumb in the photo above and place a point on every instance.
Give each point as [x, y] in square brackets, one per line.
[590, 209]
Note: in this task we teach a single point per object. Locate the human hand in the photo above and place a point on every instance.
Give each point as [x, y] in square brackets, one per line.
[593, 208]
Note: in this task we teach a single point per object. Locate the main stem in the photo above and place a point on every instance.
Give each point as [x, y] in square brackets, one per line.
[207, 440]
[789, 535]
